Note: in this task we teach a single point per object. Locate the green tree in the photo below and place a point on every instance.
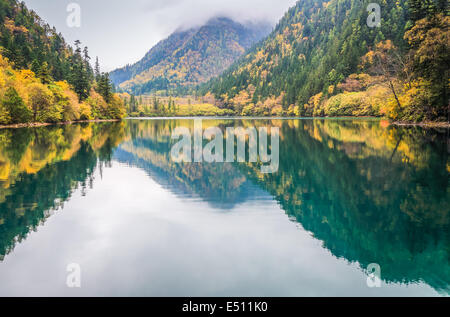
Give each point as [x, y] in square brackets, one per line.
[97, 69]
[80, 79]
[421, 9]
[104, 87]
[44, 74]
[155, 104]
[35, 66]
[18, 111]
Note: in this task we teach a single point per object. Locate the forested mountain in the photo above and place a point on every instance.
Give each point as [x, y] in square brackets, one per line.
[42, 78]
[189, 57]
[324, 58]
[29, 42]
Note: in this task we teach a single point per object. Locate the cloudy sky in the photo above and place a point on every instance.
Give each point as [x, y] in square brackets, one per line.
[121, 32]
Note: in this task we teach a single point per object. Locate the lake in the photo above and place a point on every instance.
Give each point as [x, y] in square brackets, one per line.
[351, 200]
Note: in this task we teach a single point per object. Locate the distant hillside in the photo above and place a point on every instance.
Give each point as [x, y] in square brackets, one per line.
[190, 57]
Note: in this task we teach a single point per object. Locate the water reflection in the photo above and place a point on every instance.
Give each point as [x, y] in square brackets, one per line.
[40, 168]
[371, 193]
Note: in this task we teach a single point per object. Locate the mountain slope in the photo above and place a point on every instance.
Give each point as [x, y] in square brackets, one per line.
[328, 58]
[317, 44]
[190, 57]
[42, 78]
[28, 42]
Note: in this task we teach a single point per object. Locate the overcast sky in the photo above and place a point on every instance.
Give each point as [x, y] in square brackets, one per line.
[122, 31]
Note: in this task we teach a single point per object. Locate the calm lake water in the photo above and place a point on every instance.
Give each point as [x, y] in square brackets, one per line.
[108, 197]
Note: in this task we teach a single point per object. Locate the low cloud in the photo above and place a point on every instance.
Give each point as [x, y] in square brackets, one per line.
[121, 32]
[195, 12]
[160, 4]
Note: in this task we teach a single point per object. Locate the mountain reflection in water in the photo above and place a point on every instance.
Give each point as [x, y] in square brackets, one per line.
[369, 192]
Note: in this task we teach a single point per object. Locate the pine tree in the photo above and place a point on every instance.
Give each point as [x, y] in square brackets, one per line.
[87, 64]
[420, 9]
[44, 74]
[14, 105]
[97, 69]
[442, 6]
[104, 87]
[35, 66]
[155, 104]
[169, 105]
[80, 79]
[133, 105]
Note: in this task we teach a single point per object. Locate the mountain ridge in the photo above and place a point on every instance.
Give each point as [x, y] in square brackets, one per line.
[192, 56]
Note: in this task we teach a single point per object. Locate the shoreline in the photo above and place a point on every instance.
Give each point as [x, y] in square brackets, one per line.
[445, 125]
[428, 124]
[423, 124]
[46, 124]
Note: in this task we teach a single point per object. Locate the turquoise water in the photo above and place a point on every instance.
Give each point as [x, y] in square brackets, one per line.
[108, 197]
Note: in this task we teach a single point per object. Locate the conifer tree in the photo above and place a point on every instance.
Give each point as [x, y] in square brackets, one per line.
[155, 104]
[97, 69]
[80, 77]
[133, 105]
[44, 74]
[87, 64]
[35, 66]
[14, 105]
[104, 87]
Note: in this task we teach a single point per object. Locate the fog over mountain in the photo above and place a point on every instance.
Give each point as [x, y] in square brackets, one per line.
[189, 57]
[121, 32]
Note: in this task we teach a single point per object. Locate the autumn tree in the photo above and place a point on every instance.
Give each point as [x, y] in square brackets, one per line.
[42, 79]
[429, 40]
[43, 108]
[386, 61]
